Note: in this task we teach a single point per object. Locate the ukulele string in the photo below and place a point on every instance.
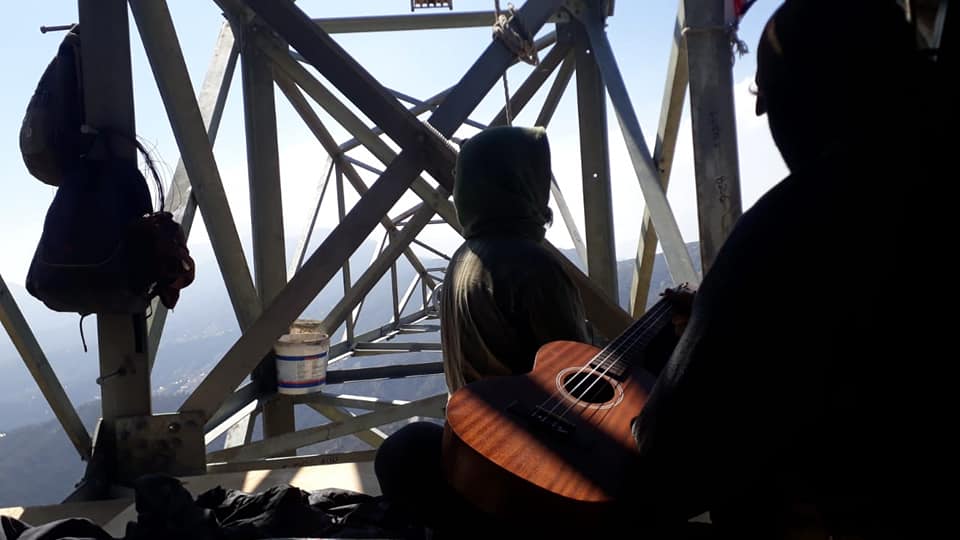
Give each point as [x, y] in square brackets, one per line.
[605, 355]
[628, 343]
[604, 358]
[623, 348]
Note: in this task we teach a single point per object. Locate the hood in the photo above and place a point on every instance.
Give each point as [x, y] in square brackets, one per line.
[502, 183]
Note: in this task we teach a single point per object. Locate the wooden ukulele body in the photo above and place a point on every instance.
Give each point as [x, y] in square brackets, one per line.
[523, 445]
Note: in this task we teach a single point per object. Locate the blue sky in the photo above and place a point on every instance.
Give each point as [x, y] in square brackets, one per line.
[416, 63]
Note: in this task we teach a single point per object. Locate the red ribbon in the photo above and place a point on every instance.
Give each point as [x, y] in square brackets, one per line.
[741, 6]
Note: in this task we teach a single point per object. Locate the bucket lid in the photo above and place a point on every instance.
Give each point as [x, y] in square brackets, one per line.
[305, 338]
[306, 326]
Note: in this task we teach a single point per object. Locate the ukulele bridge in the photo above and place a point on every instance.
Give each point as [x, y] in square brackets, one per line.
[543, 419]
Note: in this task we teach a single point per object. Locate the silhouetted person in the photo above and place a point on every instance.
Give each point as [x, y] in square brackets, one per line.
[504, 294]
[803, 395]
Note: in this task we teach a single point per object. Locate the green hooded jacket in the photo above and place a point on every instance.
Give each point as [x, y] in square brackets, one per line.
[504, 294]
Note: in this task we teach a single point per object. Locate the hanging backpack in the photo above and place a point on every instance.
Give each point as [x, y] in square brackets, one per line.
[103, 248]
[85, 257]
[51, 142]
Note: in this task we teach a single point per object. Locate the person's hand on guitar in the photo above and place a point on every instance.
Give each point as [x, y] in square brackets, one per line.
[681, 300]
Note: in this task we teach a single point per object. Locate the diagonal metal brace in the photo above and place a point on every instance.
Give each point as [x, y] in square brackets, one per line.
[384, 109]
[675, 251]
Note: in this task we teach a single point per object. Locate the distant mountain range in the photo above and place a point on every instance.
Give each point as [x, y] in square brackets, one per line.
[38, 465]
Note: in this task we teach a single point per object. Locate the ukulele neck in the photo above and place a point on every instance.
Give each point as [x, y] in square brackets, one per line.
[620, 354]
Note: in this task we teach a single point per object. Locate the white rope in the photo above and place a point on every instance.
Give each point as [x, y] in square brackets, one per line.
[737, 45]
[508, 30]
[506, 86]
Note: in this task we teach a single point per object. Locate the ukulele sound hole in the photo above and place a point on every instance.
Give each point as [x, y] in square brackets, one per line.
[588, 387]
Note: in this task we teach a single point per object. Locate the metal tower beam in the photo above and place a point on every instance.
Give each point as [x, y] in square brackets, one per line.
[385, 332]
[263, 167]
[426, 105]
[243, 413]
[349, 401]
[674, 250]
[342, 70]
[266, 206]
[108, 101]
[180, 200]
[316, 204]
[170, 71]
[291, 462]
[423, 148]
[313, 122]
[373, 436]
[341, 312]
[396, 23]
[378, 268]
[550, 103]
[432, 102]
[357, 163]
[393, 371]
[671, 111]
[533, 82]
[232, 405]
[713, 117]
[124, 355]
[345, 269]
[242, 432]
[26, 344]
[352, 123]
[306, 437]
[595, 167]
[370, 138]
[243, 402]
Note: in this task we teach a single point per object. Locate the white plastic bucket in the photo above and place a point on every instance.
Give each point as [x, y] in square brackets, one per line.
[301, 362]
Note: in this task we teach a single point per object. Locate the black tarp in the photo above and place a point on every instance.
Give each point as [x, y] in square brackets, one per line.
[165, 510]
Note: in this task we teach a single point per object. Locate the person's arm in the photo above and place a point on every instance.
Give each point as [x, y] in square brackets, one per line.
[689, 429]
[714, 417]
[674, 467]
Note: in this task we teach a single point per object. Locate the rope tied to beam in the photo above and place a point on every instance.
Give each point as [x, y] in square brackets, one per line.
[508, 29]
[511, 32]
[737, 45]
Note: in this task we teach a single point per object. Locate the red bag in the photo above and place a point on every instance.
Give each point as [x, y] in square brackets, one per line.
[165, 266]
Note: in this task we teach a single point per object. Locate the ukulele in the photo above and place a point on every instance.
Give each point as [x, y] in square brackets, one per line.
[558, 440]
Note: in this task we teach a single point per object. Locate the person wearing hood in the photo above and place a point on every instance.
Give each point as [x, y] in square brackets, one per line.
[504, 296]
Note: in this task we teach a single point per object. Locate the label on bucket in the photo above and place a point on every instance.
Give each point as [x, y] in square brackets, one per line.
[301, 363]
